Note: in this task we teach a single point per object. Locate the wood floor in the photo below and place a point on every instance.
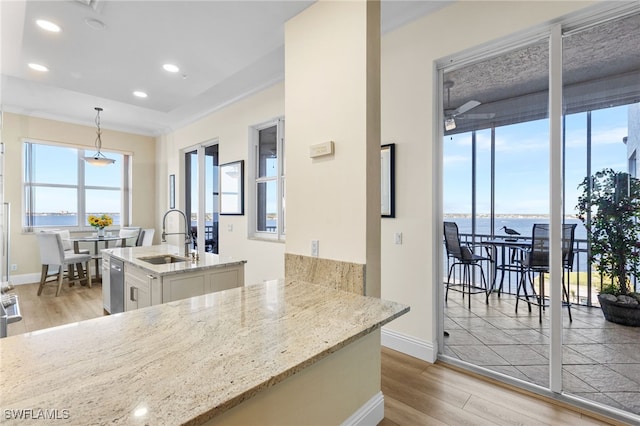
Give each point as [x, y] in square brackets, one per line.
[415, 392]
[75, 303]
[420, 393]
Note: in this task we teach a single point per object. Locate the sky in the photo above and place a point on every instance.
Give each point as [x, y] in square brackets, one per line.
[522, 162]
[57, 165]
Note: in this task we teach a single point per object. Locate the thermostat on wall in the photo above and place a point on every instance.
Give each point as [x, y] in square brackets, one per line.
[321, 149]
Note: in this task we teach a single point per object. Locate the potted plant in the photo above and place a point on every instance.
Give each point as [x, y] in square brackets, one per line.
[613, 198]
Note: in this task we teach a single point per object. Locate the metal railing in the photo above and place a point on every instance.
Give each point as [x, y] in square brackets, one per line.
[582, 280]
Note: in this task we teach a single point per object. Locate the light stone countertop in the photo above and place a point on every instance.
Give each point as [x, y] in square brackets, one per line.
[185, 361]
[132, 256]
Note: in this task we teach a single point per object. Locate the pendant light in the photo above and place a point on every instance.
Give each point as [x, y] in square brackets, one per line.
[99, 159]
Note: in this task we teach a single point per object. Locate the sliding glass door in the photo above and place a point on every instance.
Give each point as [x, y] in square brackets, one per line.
[202, 196]
[522, 129]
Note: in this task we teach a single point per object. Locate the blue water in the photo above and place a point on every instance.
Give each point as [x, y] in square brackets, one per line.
[67, 220]
[522, 225]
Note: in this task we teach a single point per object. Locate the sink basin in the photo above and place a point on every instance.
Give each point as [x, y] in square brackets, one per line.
[162, 259]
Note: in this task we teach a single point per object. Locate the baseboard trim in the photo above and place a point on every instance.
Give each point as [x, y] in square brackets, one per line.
[371, 413]
[24, 279]
[409, 345]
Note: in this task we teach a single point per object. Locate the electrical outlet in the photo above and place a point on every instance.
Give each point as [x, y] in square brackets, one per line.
[315, 248]
[14, 267]
[230, 228]
[398, 237]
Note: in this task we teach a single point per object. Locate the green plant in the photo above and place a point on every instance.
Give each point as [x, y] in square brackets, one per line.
[613, 198]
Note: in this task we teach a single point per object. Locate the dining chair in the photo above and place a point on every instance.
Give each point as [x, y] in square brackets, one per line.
[66, 241]
[129, 236]
[146, 237]
[52, 254]
[463, 257]
[535, 261]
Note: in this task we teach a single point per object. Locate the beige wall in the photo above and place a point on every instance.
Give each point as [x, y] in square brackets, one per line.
[24, 249]
[410, 270]
[230, 127]
[332, 94]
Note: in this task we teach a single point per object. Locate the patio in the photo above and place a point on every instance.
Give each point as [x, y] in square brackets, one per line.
[601, 359]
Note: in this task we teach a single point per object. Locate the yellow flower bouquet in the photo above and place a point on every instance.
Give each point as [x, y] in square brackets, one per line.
[100, 222]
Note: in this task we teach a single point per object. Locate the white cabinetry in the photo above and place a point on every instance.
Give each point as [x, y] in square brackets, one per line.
[138, 288]
[142, 288]
[190, 284]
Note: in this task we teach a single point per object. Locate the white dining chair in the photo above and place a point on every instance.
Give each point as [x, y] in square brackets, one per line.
[147, 237]
[67, 244]
[129, 236]
[53, 255]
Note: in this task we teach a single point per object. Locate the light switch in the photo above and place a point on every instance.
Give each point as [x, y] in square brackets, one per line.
[230, 228]
[398, 237]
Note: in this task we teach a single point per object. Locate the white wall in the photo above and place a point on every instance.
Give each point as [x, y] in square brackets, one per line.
[230, 126]
[410, 270]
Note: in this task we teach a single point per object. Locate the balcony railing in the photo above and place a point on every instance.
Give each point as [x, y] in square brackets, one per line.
[583, 281]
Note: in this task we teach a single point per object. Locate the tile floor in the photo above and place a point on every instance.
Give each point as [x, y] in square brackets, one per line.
[601, 359]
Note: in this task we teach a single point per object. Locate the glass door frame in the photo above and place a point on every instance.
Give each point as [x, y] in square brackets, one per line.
[202, 195]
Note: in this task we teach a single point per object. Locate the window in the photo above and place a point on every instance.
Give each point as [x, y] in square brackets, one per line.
[60, 190]
[268, 174]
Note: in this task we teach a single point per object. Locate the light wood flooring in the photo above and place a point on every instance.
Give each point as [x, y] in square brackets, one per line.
[75, 303]
[416, 392]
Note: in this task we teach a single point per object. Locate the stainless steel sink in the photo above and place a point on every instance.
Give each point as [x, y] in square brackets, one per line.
[162, 259]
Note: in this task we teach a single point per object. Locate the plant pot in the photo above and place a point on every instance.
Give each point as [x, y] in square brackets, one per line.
[100, 232]
[620, 313]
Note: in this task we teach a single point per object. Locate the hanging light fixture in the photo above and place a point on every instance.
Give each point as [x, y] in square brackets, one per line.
[99, 159]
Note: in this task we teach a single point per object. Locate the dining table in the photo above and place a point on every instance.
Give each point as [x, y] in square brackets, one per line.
[96, 240]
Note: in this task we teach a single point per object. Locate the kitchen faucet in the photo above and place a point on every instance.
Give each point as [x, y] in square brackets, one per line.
[187, 231]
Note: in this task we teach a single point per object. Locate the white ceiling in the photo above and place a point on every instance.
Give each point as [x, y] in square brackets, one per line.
[225, 50]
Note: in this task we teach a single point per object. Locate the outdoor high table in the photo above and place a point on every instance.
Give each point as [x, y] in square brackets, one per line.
[503, 266]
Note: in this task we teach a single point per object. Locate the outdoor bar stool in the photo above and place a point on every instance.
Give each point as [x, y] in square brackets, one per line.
[536, 261]
[465, 259]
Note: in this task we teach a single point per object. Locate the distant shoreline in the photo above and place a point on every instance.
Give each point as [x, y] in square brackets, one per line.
[505, 216]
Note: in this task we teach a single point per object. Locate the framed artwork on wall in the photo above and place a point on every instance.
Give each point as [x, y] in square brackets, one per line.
[232, 188]
[387, 180]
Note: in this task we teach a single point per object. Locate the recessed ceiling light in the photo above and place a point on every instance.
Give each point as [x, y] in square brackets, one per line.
[140, 94]
[38, 67]
[48, 25]
[95, 23]
[170, 68]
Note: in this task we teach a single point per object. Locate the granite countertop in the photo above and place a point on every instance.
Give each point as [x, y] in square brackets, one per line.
[184, 361]
[132, 256]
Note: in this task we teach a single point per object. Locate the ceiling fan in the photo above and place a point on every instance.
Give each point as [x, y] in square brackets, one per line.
[450, 114]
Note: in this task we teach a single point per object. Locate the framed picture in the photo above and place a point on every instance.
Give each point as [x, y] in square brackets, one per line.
[232, 188]
[387, 180]
[172, 191]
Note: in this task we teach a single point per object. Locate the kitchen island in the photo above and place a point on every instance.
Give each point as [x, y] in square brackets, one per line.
[151, 275]
[268, 353]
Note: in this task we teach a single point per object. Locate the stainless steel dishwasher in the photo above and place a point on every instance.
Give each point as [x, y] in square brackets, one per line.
[116, 276]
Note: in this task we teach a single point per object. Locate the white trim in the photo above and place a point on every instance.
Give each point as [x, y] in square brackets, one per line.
[371, 412]
[556, 203]
[24, 279]
[253, 180]
[426, 351]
